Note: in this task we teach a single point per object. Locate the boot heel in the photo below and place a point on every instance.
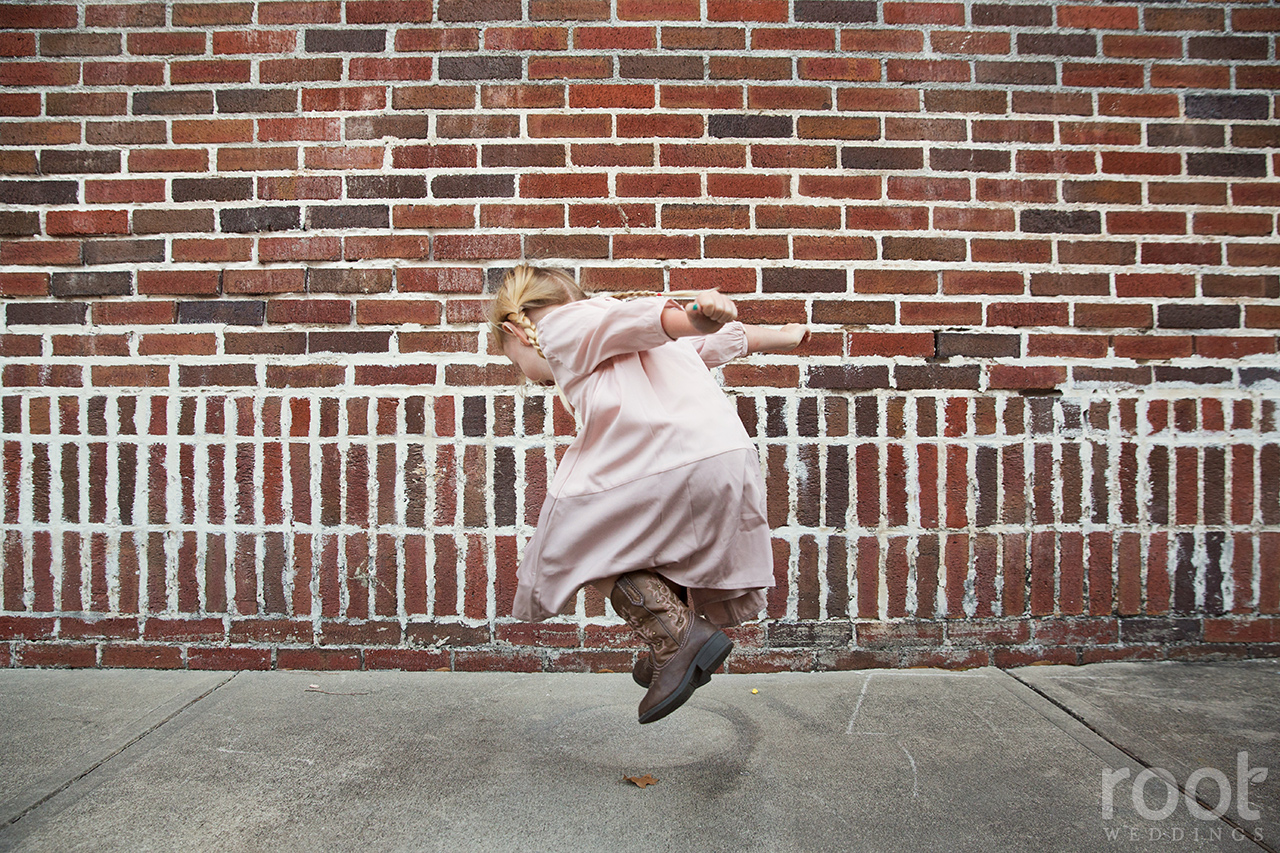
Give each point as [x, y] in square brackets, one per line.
[712, 655]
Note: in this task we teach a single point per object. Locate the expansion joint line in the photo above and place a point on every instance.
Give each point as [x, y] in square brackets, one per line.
[38, 803]
[1262, 844]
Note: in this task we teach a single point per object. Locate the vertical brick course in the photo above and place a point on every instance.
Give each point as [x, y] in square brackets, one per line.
[1039, 264]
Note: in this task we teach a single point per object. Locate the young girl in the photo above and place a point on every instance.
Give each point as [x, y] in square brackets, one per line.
[658, 502]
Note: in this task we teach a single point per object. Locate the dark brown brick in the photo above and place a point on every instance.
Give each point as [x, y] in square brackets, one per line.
[81, 44]
[458, 11]
[1255, 136]
[1227, 47]
[966, 101]
[1186, 134]
[172, 221]
[261, 218]
[205, 375]
[349, 216]
[1067, 284]
[345, 41]
[650, 67]
[233, 101]
[172, 103]
[584, 246]
[1016, 73]
[968, 160]
[63, 162]
[473, 186]
[1097, 252]
[212, 189]
[124, 251]
[19, 223]
[348, 342]
[1057, 44]
[1260, 286]
[1228, 106]
[1198, 316]
[522, 156]
[1061, 221]
[92, 283]
[978, 345]
[1102, 192]
[266, 343]
[39, 192]
[835, 11]
[126, 133]
[860, 313]
[848, 377]
[331, 280]
[387, 186]
[1227, 165]
[45, 313]
[783, 280]
[1012, 15]
[924, 249]
[228, 312]
[882, 159]
[749, 126]
[486, 67]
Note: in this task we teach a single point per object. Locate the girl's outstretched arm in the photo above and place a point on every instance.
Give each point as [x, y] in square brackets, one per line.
[775, 339]
[703, 316]
[712, 310]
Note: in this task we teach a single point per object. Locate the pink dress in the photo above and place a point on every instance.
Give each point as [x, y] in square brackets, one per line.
[661, 476]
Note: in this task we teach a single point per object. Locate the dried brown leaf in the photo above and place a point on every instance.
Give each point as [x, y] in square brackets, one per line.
[641, 781]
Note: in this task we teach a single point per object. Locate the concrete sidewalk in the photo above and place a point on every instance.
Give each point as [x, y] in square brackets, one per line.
[877, 760]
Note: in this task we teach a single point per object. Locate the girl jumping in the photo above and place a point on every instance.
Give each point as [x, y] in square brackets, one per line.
[658, 502]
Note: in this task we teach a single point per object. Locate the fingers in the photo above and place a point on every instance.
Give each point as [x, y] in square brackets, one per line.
[714, 306]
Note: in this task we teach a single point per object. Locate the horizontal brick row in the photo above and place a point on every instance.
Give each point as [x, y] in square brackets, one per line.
[776, 415]
[158, 643]
[152, 15]
[1032, 379]
[547, 187]
[705, 216]
[815, 286]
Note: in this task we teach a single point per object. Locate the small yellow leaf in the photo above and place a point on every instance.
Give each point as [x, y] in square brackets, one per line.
[641, 781]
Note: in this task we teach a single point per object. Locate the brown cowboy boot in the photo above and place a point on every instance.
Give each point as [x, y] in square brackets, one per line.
[683, 647]
[642, 670]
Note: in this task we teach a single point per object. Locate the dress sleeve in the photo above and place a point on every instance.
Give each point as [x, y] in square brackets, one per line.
[723, 346]
[579, 336]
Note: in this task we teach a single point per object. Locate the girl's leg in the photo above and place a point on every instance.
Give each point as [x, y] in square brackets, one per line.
[684, 648]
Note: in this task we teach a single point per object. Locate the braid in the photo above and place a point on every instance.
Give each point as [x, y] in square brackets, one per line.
[627, 294]
[641, 294]
[526, 287]
[522, 320]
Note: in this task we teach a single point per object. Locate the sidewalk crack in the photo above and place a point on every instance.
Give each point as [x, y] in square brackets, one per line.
[1225, 818]
[38, 803]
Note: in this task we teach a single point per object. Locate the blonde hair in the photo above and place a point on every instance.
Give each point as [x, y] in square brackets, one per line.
[530, 287]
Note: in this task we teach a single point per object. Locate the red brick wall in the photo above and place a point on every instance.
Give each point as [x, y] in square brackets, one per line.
[250, 419]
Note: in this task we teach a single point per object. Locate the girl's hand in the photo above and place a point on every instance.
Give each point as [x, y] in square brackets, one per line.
[710, 311]
[792, 335]
[774, 339]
